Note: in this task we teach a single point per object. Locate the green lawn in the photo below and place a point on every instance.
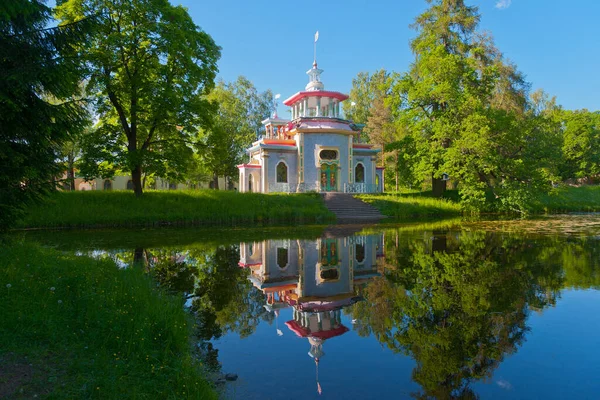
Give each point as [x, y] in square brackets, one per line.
[157, 208]
[412, 204]
[73, 328]
[407, 206]
[569, 199]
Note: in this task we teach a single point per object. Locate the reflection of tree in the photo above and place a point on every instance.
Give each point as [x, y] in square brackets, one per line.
[457, 305]
[223, 300]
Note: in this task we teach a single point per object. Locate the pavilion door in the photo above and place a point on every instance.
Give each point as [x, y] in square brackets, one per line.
[328, 177]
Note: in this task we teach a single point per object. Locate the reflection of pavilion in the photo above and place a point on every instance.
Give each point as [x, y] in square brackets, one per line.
[318, 278]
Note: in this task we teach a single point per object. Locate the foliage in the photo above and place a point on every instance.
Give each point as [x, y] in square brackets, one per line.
[366, 88]
[235, 126]
[103, 332]
[581, 147]
[38, 108]
[463, 110]
[150, 66]
[457, 303]
[202, 207]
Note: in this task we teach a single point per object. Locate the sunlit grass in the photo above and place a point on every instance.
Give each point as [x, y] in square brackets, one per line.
[90, 330]
[405, 206]
[157, 208]
[569, 199]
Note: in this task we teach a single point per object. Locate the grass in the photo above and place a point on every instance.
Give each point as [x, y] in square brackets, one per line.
[411, 205]
[569, 199]
[157, 208]
[74, 327]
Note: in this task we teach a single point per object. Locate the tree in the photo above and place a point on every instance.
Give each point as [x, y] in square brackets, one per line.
[581, 146]
[466, 110]
[241, 108]
[366, 88]
[150, 66]
[36, 65]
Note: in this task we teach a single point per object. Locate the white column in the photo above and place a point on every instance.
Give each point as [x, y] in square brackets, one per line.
[306, 106]
[330, 107]
[318, 107]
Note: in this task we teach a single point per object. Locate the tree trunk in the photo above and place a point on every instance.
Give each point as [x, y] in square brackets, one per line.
[438, 187]
[440, 242]
[216, 182]
[139, 256]
[136, 178]
[71, 172]
[396, 169]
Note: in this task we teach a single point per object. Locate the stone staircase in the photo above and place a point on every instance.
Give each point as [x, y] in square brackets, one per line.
[348, 209]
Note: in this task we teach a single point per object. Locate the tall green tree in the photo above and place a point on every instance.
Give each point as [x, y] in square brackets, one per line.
[36, 65]
[241, 108]
[466, 109]
[150, 66]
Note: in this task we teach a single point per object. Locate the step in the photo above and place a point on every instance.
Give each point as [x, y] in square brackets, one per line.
[349, 209]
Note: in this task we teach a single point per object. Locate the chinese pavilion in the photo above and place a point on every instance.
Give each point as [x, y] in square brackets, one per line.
[317, 150]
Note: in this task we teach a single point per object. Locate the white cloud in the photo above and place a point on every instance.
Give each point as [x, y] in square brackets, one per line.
[503, 4]
[502, 383]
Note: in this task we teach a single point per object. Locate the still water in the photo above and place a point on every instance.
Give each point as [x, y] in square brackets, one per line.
[491, 310]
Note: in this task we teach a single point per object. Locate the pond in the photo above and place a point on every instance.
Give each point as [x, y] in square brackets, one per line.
[454, 309]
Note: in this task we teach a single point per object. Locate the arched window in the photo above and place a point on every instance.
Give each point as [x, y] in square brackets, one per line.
[282, 172]
[107, 184]
[360, 253]
[250, 182]
[282, 257]
[359, 173]
[130, 185]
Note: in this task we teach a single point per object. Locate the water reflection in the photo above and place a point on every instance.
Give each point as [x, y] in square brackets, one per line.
[448, 305]
[316, 278]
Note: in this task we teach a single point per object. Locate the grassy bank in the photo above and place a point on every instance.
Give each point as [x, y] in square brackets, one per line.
[409, 206]
[569, 199]
[74, 327]
[154, 208]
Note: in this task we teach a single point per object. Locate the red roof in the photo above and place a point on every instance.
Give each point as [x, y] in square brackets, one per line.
[303, 332]
[249, 166]
[315, 93]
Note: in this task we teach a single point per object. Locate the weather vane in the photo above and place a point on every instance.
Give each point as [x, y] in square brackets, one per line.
[315, 45]
[275, 104]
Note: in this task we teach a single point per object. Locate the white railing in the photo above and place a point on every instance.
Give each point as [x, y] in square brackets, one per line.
[360, 188]
[279, 187]
[308, 187]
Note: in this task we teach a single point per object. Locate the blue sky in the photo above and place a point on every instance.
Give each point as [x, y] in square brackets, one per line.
[556, 44]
